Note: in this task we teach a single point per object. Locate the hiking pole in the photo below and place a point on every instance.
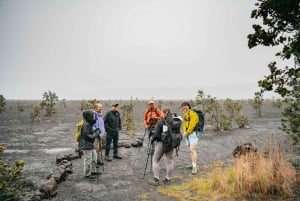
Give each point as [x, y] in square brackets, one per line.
[100, 147]
[143, 139]
[148, 153]
[151, 152]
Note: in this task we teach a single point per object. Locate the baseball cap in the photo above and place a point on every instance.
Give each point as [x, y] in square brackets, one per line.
[115, 105]
[151, 101]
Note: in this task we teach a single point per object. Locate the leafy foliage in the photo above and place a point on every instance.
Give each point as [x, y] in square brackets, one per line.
[49, 101]
[258, 102]
[281, 26]
[34, 112]
[2, 103]
[128, 118]
[88, 105]
[8, 175]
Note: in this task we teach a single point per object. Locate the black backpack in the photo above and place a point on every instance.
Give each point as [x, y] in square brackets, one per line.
[200, 125]
[172, 138]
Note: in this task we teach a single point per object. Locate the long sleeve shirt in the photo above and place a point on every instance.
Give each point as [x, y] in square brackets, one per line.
[99, 124]
[190, 121]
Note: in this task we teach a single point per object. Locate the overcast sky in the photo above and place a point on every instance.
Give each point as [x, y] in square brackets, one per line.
[118, 49]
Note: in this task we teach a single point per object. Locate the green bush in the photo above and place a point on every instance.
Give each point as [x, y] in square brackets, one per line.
[2, 103]
[8, 176]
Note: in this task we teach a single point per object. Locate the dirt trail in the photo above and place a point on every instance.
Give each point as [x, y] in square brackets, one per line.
[121, 179]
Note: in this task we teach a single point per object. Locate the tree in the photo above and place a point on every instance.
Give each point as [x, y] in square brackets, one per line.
[258, 102]
[281, 27]
[49, 99]
[2, 103]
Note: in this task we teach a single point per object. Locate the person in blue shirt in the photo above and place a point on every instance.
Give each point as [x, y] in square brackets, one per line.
[99, 124]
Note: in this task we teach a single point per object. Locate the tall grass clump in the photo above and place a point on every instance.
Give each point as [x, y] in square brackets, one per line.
[267, 173]
[256, 175]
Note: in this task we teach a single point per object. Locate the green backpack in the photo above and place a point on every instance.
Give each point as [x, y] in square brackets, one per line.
[78, 130]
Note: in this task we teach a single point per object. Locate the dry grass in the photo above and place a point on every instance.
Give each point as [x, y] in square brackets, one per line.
[256, 176]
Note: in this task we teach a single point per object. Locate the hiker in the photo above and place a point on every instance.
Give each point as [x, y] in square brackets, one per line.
[99, 124]
[112, 123]
[190, 121]
[151, 115]
[87, 144]
[160, 150]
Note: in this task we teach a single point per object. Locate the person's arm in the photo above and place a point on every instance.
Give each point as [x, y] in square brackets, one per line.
[192, 123]
[146, 118]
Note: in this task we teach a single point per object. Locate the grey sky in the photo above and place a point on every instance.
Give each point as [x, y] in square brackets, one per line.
[117, 49]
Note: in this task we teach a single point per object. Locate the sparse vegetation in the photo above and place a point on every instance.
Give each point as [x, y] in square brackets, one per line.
[258, 102]
[88, 105]
[8, 175]
[2, 103]
[128, 118]
[49, 101]
[252, 176]
[34, 112]
[224, 116]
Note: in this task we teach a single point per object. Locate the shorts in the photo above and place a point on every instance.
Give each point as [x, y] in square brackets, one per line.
[191, 139]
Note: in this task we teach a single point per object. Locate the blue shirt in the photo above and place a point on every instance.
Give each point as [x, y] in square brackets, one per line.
[99, 124]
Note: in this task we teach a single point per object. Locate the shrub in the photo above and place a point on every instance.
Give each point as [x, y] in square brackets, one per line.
[8, 176]
[49, 99]
[2, 103]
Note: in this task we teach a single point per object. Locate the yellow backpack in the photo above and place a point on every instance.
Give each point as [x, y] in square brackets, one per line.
[78, 130]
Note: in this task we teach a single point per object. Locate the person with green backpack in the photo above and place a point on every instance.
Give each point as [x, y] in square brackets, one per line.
[190, 122]
[87, 139]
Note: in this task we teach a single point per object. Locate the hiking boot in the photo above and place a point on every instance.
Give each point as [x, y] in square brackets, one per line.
[167, 180]
[117, 157]
[154, 182]
[194, 170]
[96, 173]
[100, 162]
[107, 158]
[90, 177]
[189, 167]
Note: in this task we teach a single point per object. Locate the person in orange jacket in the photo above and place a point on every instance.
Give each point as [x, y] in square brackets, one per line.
[151, 115]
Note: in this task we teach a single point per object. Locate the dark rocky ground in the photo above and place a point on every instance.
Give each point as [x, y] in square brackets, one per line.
[40, 142]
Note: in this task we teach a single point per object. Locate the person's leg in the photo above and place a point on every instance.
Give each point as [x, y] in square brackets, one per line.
[107, 146]
[170, 164]
[94, 161]
[97, 148]
[87, 162]
[115, 143]
[193, 145]
[158, 153]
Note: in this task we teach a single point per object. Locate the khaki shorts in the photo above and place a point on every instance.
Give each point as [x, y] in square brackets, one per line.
[191, 139]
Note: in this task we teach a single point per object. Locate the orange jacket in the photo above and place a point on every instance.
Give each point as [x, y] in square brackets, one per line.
[151, 116]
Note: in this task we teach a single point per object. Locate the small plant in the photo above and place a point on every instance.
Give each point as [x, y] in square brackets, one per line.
[128, 118]
[20, 107]
[225, 123]
[258, 101]
[34, 112]
[241, 121]
[8, 176]
[88, 105]
[49, 101]
[2, 103]
[63, 103]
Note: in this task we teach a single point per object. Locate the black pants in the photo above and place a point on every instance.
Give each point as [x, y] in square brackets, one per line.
[112, 137]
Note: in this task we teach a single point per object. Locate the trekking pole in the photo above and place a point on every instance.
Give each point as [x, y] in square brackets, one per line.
[148, 153]
[143, 139]
[100, 147]
[151, 152]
